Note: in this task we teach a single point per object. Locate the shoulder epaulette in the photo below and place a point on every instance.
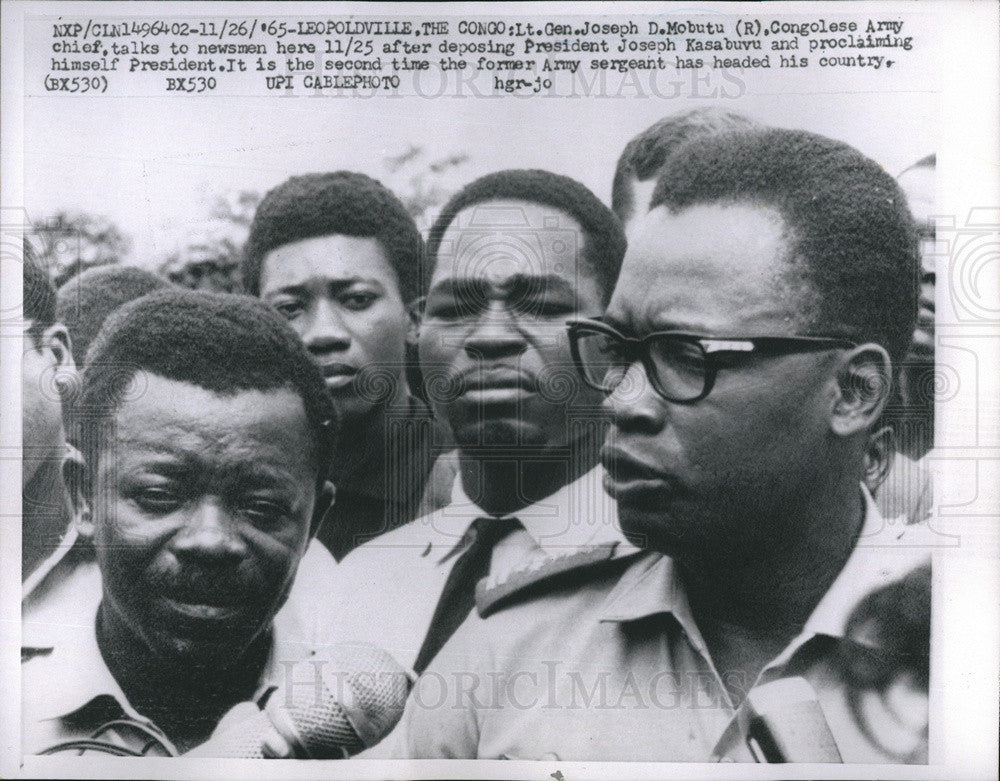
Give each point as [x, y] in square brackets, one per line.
[543, 573]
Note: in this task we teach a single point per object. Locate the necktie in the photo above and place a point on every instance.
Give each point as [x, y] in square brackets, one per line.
[459, 594]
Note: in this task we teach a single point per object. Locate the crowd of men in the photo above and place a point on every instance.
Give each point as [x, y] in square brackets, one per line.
[600, 480]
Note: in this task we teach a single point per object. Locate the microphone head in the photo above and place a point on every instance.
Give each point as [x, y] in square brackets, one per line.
[340, 701]
[353, 698]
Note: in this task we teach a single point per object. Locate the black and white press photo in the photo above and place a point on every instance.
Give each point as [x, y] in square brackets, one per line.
[531, 390]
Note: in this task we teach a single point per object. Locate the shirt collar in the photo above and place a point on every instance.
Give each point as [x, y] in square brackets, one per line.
[653, 585]
[71, 540]
[64, 633]
[650, 586]
[578, 514]
[879, 558]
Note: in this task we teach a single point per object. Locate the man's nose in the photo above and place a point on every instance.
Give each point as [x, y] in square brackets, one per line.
[496, 334]
[326, 332]
[210, 534]
[634, 404]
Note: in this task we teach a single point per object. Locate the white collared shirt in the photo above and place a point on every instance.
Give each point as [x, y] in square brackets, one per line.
[387, 589]
[67, 689]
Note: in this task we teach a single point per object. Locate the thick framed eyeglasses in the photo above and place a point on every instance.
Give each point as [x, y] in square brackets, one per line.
[681, 366]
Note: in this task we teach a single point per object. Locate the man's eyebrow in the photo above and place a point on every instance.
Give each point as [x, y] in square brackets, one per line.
[145, 453]
[289, 290]
[266, 475]
[331, 285]
[516, 283]
[663, 324]
[183, 461]
[658, 324]
[454, 286]
[610, 319]
[550, 283]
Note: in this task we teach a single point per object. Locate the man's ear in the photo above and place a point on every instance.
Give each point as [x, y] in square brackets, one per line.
[323, 507]
[57, 340]
[864, 383]
[415, 312]
[878, 457]
[74, 471]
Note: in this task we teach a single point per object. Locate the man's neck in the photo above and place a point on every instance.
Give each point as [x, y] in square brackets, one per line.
[46, 515]
[780, 585]
[184, 698]
[749, 609]
[502, 485]
[362, 442]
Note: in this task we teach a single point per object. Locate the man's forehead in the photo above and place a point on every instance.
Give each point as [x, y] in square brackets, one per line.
[642, 193]
[334, 257]
[664, 239]
[506, 241]
[155, 407]
[709, 265]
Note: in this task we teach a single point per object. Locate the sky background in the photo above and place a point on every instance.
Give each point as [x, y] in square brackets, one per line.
[153, 165]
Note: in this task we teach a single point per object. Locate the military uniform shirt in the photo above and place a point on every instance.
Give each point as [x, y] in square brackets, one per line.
[387, 590]
[615, 669]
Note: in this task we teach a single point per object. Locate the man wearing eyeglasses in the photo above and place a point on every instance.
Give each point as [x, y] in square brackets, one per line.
[748, 348]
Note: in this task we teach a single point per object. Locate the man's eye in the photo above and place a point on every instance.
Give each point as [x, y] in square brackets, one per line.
[157, 500]
[534, 303]
[447, 310]
[613, 349]
[678, 355]
[289, 309]
[358, 301]
[548, 308]
[265, 511]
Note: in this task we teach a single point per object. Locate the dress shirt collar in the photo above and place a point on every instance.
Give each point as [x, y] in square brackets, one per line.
[653, 585]
[578, 514]
[878, 559]
[67, 639]
[64, 633]
[69, 542]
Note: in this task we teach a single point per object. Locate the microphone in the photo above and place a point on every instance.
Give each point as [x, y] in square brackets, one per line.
[787, 724]
[354, 702]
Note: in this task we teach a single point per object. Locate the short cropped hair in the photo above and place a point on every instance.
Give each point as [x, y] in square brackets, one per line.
[84, 302]
[852, 239]
[220, 342]
[644, 155]
[328, 204]
[38, 294]
[604, 239]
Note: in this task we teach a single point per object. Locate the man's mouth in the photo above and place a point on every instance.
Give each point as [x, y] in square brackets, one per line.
[338, 375]
[627, 477]
[203, 612]
[201, 599]
[497, 386]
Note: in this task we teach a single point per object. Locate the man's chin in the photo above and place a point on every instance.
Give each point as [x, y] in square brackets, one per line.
[651, 530]
[348, 401]
[204, 651]
[497, 433]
